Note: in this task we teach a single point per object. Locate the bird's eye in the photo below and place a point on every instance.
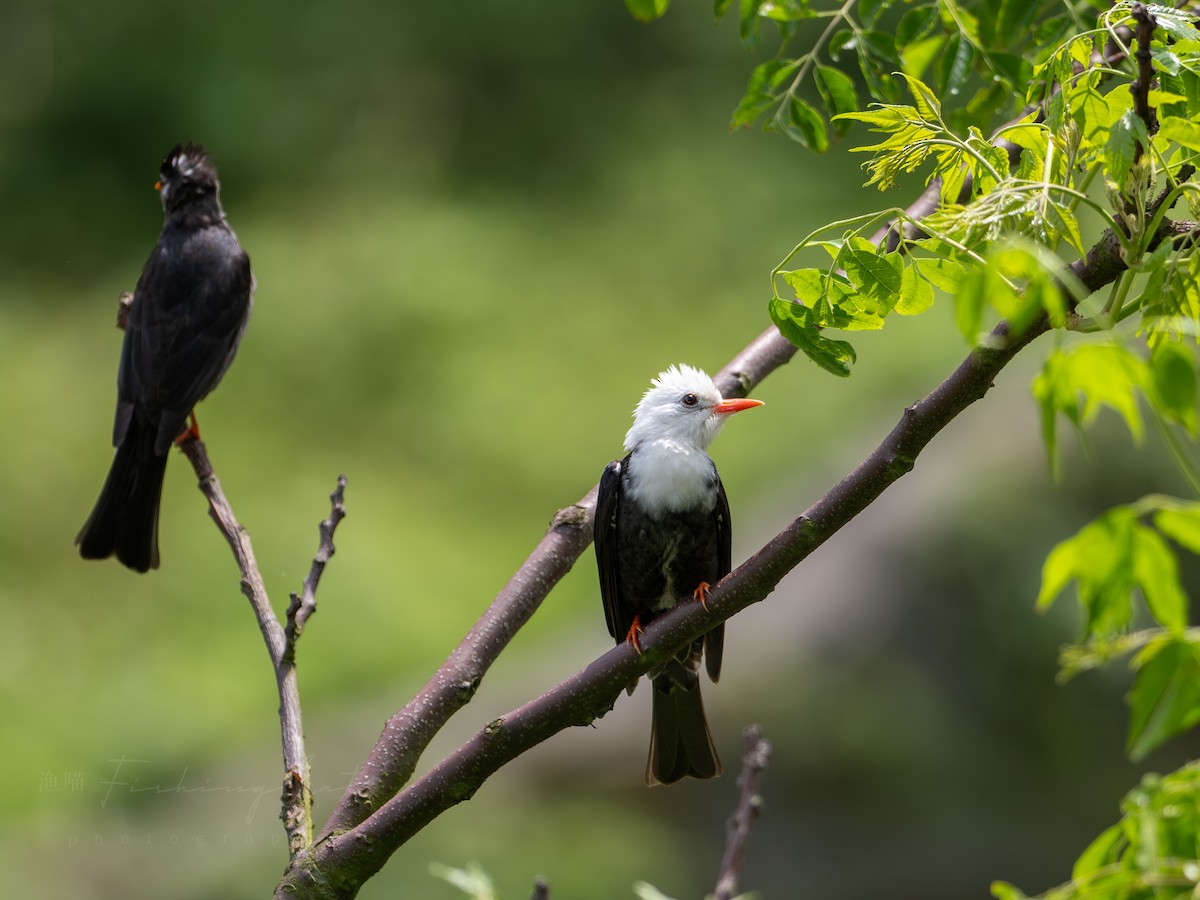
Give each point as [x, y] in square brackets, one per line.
[689, 400]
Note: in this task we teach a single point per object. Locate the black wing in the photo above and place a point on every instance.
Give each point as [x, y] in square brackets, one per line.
[714, 641]
[608, 508]
[184, 327]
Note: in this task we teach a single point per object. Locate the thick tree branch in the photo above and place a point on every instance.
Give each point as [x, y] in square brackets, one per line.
[737, 829]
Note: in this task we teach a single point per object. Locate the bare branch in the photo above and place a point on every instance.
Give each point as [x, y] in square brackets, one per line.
[737, 829]
[304, 604]
[541, 890]
[296, 796]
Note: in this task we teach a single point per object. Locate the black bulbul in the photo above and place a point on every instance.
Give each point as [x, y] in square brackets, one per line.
[662, 536]
[190, 308]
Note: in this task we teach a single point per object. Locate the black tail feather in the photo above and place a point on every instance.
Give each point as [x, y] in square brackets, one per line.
[125, 518]
[680, 743]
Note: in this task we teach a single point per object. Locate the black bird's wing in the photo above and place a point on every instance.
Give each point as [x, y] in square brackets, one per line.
[190, 309]
[714, 640]
[608, 508]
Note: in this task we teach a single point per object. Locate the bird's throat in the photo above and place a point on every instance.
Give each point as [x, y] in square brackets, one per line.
[667, 476]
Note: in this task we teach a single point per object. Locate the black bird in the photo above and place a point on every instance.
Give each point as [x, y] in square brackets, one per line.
[190, 308]
[662, 536]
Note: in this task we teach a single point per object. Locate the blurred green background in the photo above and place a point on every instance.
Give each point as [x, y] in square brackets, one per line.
[478, 230]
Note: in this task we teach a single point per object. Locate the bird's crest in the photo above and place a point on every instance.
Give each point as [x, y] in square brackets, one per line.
[188, 162]
[684, 378]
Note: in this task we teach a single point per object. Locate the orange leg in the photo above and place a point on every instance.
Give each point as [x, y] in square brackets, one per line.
[701, 593]
[192, 431]
[634, 630]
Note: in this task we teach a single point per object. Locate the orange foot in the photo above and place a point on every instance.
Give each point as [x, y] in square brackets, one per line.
[701, 594]
[192, 431]
[634, 630]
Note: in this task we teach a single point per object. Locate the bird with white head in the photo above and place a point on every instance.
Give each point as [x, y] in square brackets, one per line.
[662, 535]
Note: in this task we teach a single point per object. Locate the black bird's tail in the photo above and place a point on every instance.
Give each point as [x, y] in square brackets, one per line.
[125, 518]
[680, 742]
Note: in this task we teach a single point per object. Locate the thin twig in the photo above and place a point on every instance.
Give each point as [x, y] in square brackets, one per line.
[737, 829]
[296, 796]
[541, 890]
[304, 604]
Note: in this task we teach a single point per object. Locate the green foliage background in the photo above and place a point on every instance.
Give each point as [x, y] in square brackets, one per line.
[478, 230]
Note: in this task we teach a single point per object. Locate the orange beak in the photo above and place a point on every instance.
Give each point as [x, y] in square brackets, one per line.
[158, 185]
[732, 406]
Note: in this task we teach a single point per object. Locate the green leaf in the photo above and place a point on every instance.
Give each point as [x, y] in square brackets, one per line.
[837, 92]
[925, 100]
[1014, 20]
[1181, 523]
[1176, 23]
[955, 64]
[1165, 699]
[1174, 372]
[1102, 375]
[833, 356]
[1002, 890]
[761, 94]
[879, 45]
[803, 124]
[876, 276]
[786, 10]
[1126, 133]
[944, 274]
[1165, 60]
[1156, 573]
[1099, 558]
[647, 10]
[919, 55]
[814, 287]
[980, 286]
[1099, 853]
[748, 21]
[1182, 131]
[720, 7]
[914, 24]
[1057, 572]
[916, 294]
